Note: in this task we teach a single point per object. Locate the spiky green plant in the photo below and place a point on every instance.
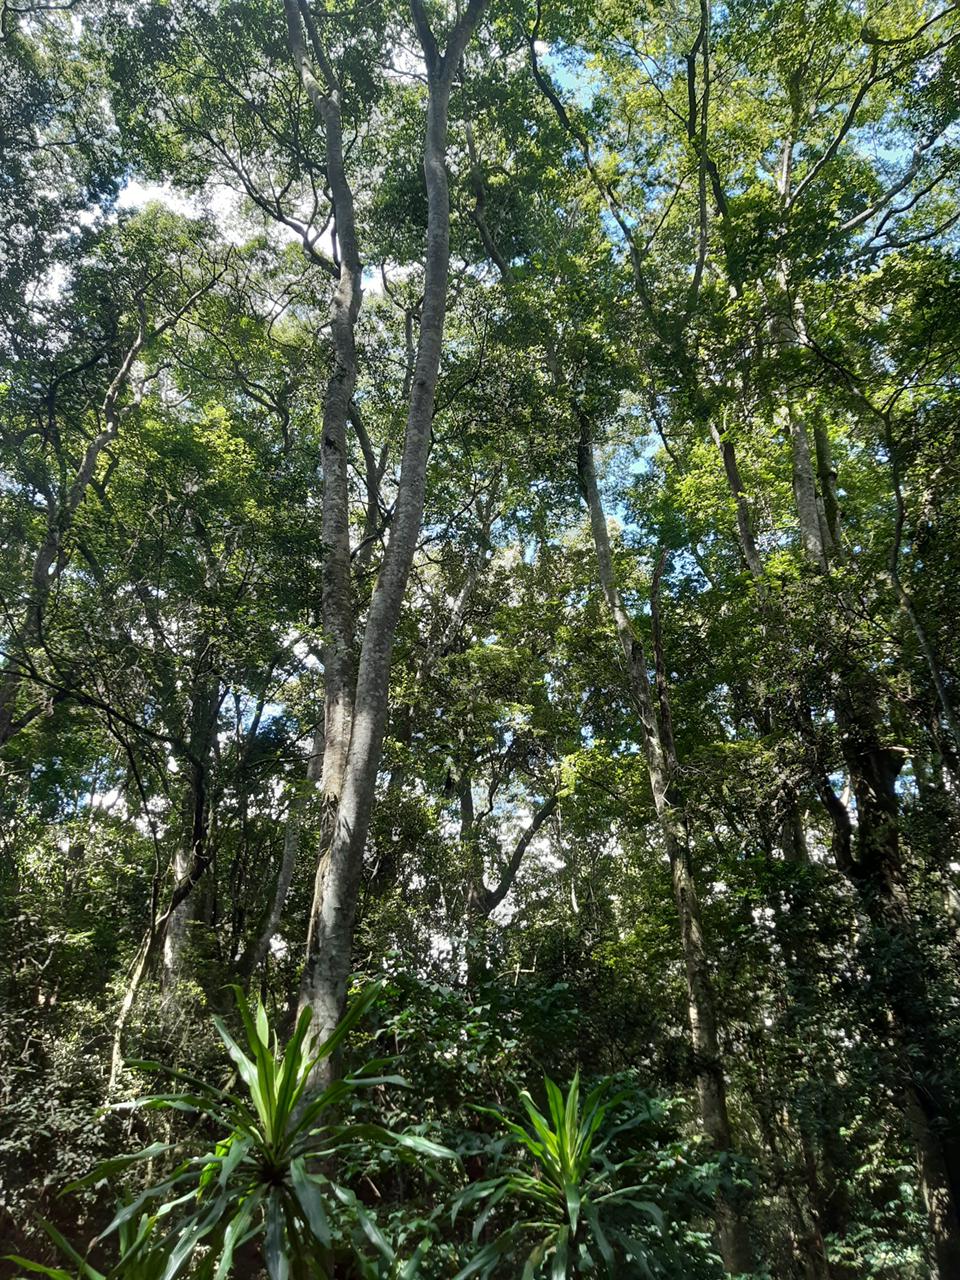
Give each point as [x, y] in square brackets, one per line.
[139, 1255]
[574, 1205]
[268, 1178]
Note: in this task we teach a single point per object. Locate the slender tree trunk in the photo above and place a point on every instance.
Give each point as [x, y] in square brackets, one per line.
[827, 475]
[328, 959]
[744, 523]
[60, 517]
[732, 1229]
[337, 605]
[875, 869]
[191, 849]
[657, 738]
[805, 489]
[256, 953]
[787, 324]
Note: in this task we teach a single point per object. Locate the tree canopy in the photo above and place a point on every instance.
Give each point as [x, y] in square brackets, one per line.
[480, 524]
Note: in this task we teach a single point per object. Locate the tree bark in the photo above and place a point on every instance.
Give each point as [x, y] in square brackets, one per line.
[191, 849]
[789, 333]
[827, 475]
[482, 901]
[327, 966]
[876, 871]
[657, 741]
[337, 604]
[256, 953]
[731, 469]
[805, 489]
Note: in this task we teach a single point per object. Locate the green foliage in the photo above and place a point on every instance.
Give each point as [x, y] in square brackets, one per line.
[140, 1257]
[261, 1181]
[570, 1195]
[697, 237]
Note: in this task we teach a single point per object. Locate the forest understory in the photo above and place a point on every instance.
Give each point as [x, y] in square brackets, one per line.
[479, 614]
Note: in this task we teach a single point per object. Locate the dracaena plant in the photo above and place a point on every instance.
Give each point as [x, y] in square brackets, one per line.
[268, 1178]
[139, 1256]
[569, 1202]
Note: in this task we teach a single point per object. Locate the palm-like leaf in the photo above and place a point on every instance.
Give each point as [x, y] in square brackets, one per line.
[266, 1178]
[570, 1189]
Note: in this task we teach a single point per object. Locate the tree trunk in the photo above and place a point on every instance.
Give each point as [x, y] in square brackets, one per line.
[327, 966]
[732, 1229]
[805, 489]
[191, 849]
[337, 605]
[657, 739]
[789, 333]
[738, 492]
[256, 953]
[876, 871]
[827, 475]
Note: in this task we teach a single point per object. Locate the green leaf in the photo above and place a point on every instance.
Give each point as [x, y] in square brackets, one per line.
[424, 1146]
[489, 1254]
[175, 1073]
[265, 1066]
[56, 1273]
[235, 1234]
[128, 1211]
[293, 1073]
[411, 1268]
[65, 1247]
[107, 1168]
[561, 1252]
[653, 1211]
[274, 1246]
[535, 1259]
[599, 1235]
[349, 1020]
[263, 1029]
[311, 1201]
[367, 1225]
[497, 1195]
[248, 1073]
[572, 1194]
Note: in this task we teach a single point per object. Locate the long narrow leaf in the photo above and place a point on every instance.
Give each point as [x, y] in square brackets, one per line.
[596, 1228]
[107, 1168]
[293, 1072]
[571, 1191]
[248, 1070]
[64, 1245]
[274, 1247]
[175, 1073]
[264, 1061]
[561, 1255]
[309, 1195]
[489, 1254]
[235, 1235]
[349, 1020]
[55, 1273]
